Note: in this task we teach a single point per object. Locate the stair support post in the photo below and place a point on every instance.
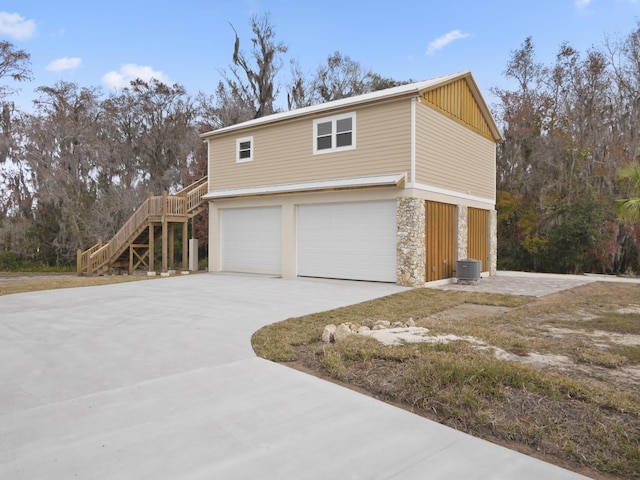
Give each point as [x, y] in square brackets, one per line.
[165, 202]
[164, 244]
[172, 232]
[152, 249]
[185, 250]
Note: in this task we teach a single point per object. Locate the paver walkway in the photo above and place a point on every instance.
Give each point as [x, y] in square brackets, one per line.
[530, 284]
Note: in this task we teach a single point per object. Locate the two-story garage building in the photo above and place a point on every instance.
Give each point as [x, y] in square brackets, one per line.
[391, 186]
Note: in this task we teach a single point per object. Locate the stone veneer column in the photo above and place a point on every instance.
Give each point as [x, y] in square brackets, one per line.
[463, 232]
[410, 242]
[493, 242]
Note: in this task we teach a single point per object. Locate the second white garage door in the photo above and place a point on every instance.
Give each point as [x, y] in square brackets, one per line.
[354, 241]
[251, 240]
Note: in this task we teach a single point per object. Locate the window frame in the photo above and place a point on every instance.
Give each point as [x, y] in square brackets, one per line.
[334, 133]
[240, 141]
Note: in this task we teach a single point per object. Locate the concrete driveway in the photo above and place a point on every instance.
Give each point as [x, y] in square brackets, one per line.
[157, 380]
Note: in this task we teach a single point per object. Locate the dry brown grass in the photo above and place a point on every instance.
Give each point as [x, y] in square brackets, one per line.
[11, 283]
[581, 413]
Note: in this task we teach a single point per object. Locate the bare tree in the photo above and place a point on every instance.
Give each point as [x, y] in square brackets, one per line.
[341, 77]
[154, 133]
[16, 66]
[252, 80]
[63, 157]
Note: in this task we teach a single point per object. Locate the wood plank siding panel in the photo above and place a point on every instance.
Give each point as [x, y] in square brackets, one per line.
[478, 236]
[453, 157]
[440, 240]
[283, 153]
[456, 100]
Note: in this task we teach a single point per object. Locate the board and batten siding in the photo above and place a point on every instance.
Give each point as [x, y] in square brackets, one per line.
[283, 153]
[452, 157]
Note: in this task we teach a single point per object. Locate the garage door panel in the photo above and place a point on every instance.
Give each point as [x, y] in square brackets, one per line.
[348, 240]
[251, 240]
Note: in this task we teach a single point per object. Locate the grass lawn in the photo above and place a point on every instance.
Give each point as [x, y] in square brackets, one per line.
[557, 377]
[31, 282]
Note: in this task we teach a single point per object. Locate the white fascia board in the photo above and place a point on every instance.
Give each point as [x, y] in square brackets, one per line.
[451, 193]
[337, 184]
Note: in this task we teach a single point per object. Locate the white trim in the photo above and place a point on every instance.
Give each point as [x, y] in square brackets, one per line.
[251, 146]
[452, 193]
[413, 139]
[343, 183]
[495, 170]
[208, 160]
[334, 133]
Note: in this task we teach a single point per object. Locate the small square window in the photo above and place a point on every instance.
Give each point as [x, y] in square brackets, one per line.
[244, 149]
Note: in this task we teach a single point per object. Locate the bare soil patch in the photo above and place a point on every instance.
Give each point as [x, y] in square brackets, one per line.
[557, 377]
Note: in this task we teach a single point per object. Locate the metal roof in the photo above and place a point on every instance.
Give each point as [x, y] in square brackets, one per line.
[389, 93]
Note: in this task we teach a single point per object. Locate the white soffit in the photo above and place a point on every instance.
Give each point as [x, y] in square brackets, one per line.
[393, 179]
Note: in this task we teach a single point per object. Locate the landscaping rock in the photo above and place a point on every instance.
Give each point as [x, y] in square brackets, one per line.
[333, 333]
[328, 334]
[342, 332]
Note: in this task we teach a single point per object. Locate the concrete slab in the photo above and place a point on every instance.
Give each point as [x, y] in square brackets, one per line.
[528, 284]
[157, 379]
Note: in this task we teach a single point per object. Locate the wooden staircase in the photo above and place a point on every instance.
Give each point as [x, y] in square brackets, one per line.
[133, 246]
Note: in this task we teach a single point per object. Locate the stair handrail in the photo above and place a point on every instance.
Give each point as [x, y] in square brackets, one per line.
[136, 220]
[194, 197]
[192, 186]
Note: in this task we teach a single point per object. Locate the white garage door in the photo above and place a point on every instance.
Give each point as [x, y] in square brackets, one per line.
[348, 240]
[251, 240]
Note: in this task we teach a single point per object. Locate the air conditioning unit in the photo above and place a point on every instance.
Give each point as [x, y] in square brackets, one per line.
[468, 270]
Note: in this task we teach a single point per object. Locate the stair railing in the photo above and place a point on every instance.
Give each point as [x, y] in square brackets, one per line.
[194, 196]
[83, 261]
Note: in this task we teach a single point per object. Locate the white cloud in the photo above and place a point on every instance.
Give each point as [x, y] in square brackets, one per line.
[16, 26]
[446, 39]
[121, 79]
[582, 4]
[63, 64]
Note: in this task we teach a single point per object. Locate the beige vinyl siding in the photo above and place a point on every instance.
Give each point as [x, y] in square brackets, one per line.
[283, 153]
[452, 157]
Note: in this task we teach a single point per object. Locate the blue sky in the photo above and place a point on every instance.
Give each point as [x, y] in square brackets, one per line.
[105, 44]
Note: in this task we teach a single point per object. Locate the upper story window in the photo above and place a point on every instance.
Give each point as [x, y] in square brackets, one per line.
[331, 134]
[244, 149]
